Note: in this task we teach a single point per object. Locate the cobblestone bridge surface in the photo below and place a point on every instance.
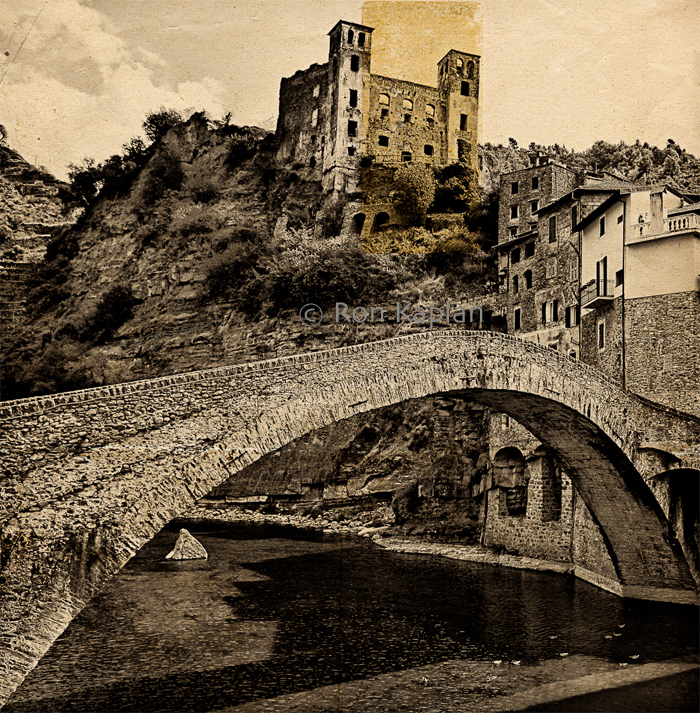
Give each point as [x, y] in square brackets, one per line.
[88, 477]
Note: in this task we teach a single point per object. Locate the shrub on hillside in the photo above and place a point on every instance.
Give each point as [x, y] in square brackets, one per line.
[414, 191]
[200, 220]
[158, 123]
[227, 272]
[114, 308]
[457, 189]
[203, 189]
[164, 173]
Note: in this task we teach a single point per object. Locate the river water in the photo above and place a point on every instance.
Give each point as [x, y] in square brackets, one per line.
[276, 611]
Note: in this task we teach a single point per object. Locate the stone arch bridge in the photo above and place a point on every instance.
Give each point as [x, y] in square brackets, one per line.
[90, 476]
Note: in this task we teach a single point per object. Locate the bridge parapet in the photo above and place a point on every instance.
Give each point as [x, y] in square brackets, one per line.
[90, 476]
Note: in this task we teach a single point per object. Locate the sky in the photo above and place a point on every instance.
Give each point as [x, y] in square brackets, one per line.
[77, 77]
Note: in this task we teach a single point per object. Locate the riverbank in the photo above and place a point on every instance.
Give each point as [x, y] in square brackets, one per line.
[374, 523]
[576, 683]
[378, 525]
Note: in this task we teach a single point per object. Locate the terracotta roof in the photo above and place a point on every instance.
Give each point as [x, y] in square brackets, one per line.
[692, 208]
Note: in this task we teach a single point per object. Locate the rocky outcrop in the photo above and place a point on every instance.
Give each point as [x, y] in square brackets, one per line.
[186, 548]
[33, 209]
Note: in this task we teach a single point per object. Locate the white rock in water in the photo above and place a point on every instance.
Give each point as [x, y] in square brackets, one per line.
[187, 548]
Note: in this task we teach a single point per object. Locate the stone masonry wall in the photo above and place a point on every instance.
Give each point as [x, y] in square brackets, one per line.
[608, 360]
[662, 344]
[90, 476]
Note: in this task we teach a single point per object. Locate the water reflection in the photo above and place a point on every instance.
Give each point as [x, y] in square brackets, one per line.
[274, 611]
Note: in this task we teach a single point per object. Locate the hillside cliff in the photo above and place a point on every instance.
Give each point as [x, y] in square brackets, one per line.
[34, 208]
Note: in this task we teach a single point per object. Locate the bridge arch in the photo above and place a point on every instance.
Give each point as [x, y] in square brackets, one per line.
[102, 470]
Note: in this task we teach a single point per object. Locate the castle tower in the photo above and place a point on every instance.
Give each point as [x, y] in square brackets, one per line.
[458, 83]
[349, 62]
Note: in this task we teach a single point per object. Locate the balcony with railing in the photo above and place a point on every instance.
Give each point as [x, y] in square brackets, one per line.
[597, 293]
[672, 224]
[690, 221]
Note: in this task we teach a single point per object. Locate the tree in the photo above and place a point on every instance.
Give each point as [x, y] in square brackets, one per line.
[415, 191]
[86, 179]
[457, 189]
[3, 135]
[158, 123]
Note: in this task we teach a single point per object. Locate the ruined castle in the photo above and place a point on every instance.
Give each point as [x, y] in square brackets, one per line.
[338, 116]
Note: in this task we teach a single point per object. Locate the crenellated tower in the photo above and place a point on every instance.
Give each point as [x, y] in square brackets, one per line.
[349, 61]
[458, 84]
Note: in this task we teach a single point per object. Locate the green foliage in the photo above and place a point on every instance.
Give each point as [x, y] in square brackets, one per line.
[158, 123]
[200, 220]
[242, 145]
[637, 162]
[415, 191]
[47, 284]
[114, 308]
[114, 176]
[227, 272]
[457, 189]
[164, 173]
[203, 189]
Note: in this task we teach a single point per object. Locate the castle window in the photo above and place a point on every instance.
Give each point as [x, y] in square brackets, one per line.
[312, 162]
[528, 279]
[601, 224]
[351, 37]
[619, 219]
[513, 212]
[535, 183]
[406, 118]
[529, 249]
[515, 256]
[544, 313]
[384, 99]
[513, 232]
[383, 140]
[351, 150]
[553, 229]
[352, 128]
[428, 150]
[470, 70]
[516, 325]
[551, 268]
[516, 284]
[601, 335]
[406, 156]
[460, 65]
[465, 89]
[514, 188]
[463, 122]
[407, 105]
[314, 117]
[355, 63]
[313, 138]
[574, 217]
[361, 39]
[429, 110]
[534, 205]
[317, 90]
[619, 278]
[353, 97]
[385, 113]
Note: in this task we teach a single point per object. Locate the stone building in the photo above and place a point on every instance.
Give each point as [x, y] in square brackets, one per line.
[627, 258]
[337, 116]
[640, 282]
